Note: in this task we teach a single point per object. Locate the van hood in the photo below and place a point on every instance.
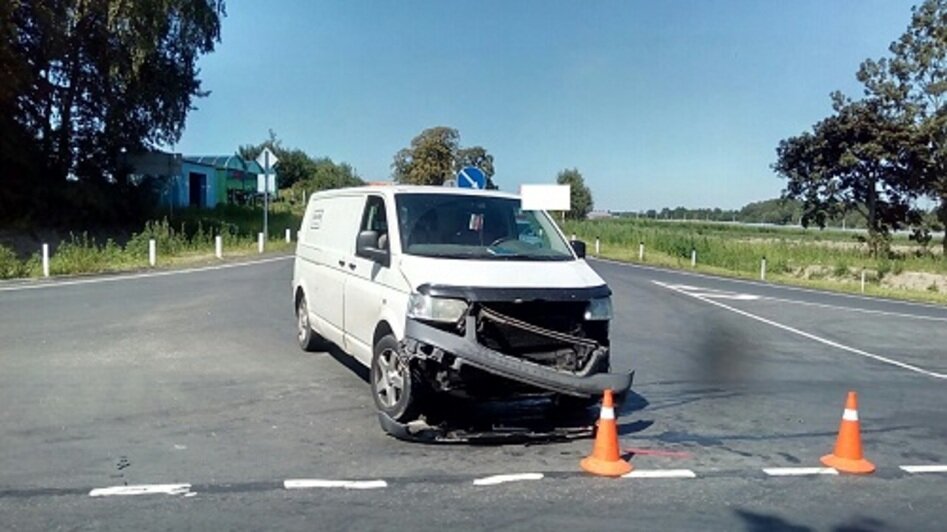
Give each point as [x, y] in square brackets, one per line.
[498, 274]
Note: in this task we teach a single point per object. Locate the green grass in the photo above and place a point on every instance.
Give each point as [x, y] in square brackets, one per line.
[185, 239]
[737, 251]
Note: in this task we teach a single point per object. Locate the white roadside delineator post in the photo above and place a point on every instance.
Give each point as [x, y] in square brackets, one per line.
[573, 236]
[259, 240]
[219, 246]
[863, 281]
[693, 258]
[45, 260]
[763, 269]
[152, 253]
[641, 251]
[289, 237]
[597, 246]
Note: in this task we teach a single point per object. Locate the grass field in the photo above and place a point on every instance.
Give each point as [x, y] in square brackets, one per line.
[825, 259]
[186, 238]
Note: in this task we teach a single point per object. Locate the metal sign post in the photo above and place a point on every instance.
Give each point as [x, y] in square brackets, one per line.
[266, 192]
[266, 159]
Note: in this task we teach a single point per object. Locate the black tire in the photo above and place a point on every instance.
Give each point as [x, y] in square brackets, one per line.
[400, 403]
[308, 339]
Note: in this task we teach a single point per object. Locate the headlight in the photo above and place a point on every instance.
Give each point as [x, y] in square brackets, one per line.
[599, 309]
[436, 308]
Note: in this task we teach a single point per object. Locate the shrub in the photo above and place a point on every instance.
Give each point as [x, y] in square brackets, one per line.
[10, 266]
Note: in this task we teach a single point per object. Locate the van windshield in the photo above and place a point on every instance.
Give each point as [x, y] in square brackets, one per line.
[476, 227]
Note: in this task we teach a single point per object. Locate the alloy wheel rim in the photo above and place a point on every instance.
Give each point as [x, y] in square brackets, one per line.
[302, 321]
[389, 378]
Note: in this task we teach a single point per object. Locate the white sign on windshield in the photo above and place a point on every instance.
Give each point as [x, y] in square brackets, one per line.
[546, 197]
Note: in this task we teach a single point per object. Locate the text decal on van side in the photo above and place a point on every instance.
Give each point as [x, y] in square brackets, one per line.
[316, 219]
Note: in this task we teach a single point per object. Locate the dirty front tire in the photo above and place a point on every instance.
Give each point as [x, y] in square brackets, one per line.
[395, 385]
[308, 339]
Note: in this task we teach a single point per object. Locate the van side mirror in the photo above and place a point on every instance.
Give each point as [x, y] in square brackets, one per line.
[579, 247]
[366, 246]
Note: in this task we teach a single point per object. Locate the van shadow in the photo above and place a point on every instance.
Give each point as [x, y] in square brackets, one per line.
[760, 522]
[633, 403]
[347, 361]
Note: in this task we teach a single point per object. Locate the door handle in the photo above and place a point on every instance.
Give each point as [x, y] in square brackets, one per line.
[342, 263]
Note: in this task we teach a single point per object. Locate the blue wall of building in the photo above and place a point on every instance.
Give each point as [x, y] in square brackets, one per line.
[179, 192]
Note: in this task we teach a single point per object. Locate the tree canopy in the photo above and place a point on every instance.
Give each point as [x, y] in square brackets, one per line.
[880, 154]
[297, 169]
[435, 155]
[580, 195]
[859, 159]
[85, 82]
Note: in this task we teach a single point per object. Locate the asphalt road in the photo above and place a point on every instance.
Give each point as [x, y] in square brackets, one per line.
[195, 378]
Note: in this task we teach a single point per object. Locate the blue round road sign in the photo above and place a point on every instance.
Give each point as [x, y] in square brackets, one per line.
[471, 177]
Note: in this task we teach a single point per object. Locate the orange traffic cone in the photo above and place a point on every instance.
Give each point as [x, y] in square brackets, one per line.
[605, 459]
[848, 456]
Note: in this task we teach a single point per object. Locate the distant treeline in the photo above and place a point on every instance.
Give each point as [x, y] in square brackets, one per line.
[773, 211]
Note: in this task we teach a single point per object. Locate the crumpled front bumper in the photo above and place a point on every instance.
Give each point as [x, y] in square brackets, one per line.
[474, 354]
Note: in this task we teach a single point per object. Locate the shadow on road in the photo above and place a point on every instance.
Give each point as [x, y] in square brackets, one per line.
[349, 362]
[758, 522]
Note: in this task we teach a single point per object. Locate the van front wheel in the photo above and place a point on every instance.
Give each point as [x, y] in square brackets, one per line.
[308, 339]
[394, 385]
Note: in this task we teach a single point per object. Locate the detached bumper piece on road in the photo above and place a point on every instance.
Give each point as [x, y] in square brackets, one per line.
[467, 350]
[419, 431]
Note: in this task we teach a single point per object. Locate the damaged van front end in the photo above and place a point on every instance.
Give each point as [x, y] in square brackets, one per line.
[489, 342]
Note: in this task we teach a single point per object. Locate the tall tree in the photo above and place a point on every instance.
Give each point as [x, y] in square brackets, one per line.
[913, 81]
[103, 77]
[476, 156]
[859, 159]
[292, 166]
[296, 168]
[434, 157]
[430, 158]
[580, 195]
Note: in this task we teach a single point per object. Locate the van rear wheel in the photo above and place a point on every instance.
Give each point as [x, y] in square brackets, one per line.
[308, 339]
[395, 387]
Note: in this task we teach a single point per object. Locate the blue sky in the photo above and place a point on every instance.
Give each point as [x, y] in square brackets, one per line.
[663, 103]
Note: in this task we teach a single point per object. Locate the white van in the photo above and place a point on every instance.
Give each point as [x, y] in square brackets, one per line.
[447, 290]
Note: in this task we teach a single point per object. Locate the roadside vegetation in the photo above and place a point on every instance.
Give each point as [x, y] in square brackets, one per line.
[831, 260]
[185, 238]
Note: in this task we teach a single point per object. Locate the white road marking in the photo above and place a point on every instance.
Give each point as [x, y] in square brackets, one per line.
[307, 483]
[500, 479]
[810, 336]
[853, 309]
[143, 489]
[660, 473]
[129, 277]
[798, 471]
[925, 468]
[768, 285]
[715, 294]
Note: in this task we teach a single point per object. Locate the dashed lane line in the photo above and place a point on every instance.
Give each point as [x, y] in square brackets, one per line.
[187, 489]
[810, 336]
[924, 468]
[144, 489]
[310, 483]
[660, 473]
[502, 479]
[799, 471]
